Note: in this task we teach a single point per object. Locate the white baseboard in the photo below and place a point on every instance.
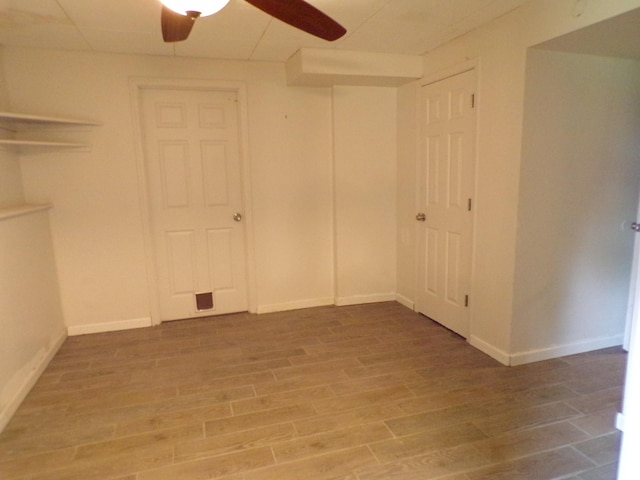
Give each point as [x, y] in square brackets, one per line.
[556, 351]
[620, 422]
[362, 299]
[28, 376]
[296, 305]
[499, 355]
[323, 302]
[402, 300]
[110, 326]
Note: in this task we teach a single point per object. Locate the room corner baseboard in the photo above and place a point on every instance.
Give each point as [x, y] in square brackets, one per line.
[296, 305]
[402, 300]
[495, 353]
[557, 351]
[362, 299]
[29, 376]
[109, 326]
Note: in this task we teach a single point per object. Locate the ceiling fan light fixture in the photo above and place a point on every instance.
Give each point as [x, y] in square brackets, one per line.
[203, 7]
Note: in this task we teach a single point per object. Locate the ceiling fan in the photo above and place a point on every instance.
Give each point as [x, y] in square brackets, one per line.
[178, 17]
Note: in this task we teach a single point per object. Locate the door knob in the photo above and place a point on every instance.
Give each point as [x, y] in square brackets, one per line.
[237, 216]
[635, 227]
[421, 217]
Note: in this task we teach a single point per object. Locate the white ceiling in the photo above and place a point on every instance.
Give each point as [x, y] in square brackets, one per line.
[241, 31]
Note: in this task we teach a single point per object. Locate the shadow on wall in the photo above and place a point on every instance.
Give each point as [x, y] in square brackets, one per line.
[580, 179]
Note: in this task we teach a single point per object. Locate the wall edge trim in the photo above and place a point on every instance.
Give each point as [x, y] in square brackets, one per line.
[110, 326]
[402, 300]
[494, 352]
[362, 299]
[294, 305]
[38, 368]
[556, 351]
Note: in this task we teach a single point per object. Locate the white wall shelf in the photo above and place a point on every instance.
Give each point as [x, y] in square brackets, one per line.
[31, 145]
[16, 126]
[20, 210]
[19, 121]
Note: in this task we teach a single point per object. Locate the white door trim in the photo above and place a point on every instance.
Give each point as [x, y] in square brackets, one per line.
[136, 84]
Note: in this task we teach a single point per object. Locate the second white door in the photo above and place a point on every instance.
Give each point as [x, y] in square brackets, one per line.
[192, 157]
[445, 192]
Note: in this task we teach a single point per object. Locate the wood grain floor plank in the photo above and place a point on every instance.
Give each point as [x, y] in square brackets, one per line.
[425, 442]
[544, 466]
[234, 442]
[353, 401]
[331, 466]
[359, 416]
[287, 372]
[525, 442]
[373, 383]
[598, 423]
[520, 418]
[312, 379]
[258, 419]
[221, 466]
[281, 399]
[338, 439]
[601, 450]
[448, 461]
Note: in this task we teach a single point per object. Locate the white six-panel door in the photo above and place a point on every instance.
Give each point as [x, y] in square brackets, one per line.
[445, 200]
[192, 161]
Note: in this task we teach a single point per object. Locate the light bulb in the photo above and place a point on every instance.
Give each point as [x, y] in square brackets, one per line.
[203, 7]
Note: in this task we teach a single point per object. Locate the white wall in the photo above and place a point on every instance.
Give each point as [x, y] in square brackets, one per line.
[11, 191]
[365, 193]
[406, 193]
[290, 157]
[31, 323]
[97, 220]
[98, 234]
[500, 50]
[578, 186]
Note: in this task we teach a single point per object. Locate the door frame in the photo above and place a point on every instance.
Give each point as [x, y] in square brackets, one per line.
[136, 85]
[464, 67]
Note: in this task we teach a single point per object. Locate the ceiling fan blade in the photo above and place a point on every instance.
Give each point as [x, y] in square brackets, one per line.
[176, 27]
[302, 15]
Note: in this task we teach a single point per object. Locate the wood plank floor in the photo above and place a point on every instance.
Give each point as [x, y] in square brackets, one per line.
[369, 392]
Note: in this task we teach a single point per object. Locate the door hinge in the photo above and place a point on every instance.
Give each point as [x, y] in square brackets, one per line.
[466, 300]
[473, 100]
[469, 205]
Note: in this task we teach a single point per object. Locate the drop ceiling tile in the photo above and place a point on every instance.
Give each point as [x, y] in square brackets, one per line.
[25, 12]
[416, 26]
[38, 23]
[281, 41]
[231, 33]
[350, 13]
[386, 37]
[145, 43]
[116, 15]
[57, 36]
